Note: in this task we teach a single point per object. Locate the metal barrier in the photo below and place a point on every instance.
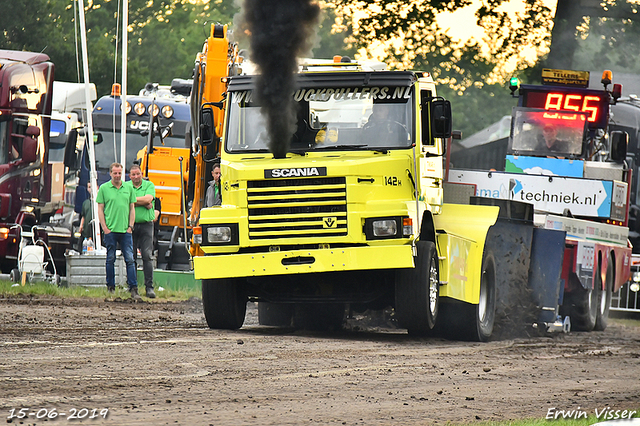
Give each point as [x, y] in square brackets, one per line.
[627, 299]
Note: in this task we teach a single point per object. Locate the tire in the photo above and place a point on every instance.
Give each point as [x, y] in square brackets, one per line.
[604, 302]
[483, 315]
[14, 275]
[224, 302]
[319, 316]
[583, 308]
[275, 314]
[418, 291]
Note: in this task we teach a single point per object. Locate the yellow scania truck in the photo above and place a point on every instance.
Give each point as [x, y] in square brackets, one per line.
[355, 214]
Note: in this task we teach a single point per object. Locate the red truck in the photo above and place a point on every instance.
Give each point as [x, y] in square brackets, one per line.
[26, 199]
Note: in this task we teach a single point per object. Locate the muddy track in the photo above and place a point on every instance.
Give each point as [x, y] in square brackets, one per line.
[159, 363]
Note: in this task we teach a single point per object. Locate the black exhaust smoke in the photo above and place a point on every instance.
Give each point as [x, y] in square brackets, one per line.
[281, 30]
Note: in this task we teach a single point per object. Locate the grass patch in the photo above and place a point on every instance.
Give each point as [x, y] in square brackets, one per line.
[627, 320]
[592, 419]
[43, 288]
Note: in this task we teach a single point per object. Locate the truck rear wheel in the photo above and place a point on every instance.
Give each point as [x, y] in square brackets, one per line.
[275, 314]
[483, 315]
[224, 302]
[605, 296]
[418, 291]
[583, 307]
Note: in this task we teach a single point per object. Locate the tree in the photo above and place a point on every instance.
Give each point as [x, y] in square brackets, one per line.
[164, 37]
[472, 73]
[332, 39]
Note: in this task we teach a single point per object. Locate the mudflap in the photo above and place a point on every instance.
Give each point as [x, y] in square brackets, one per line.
[546, 268]
[510, 239]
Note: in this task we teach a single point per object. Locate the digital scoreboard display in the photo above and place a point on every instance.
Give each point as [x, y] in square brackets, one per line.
[595, 103]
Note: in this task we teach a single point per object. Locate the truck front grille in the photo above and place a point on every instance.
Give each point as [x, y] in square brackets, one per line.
[297, 208]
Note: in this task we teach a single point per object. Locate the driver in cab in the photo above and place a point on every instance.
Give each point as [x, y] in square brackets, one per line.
[382, 129]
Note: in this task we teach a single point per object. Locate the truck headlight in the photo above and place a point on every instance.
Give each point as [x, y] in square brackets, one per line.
[139, 108]
[380, 228]
[636, 276]
[219, 234]
[384, 228]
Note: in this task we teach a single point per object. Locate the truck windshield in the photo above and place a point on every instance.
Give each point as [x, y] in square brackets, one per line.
[329, 118]
[547, 133]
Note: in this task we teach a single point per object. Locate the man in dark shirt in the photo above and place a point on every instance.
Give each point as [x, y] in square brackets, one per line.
[551, 143]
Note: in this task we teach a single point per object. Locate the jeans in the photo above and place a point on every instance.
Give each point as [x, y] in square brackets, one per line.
[143, 241]
[111, 241]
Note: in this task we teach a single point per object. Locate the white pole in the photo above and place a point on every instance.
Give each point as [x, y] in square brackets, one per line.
[123, 98]
[93, 175]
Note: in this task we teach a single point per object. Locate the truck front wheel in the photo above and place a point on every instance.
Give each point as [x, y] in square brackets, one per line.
[418, 291]
[224, 302]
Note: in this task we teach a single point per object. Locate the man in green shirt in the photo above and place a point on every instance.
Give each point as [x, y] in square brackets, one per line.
[145, 193]
[116, 215]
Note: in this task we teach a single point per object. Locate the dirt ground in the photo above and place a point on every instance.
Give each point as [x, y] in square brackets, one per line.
[158, 363]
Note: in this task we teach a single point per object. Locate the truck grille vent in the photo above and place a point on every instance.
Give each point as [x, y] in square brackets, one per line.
[297, 208]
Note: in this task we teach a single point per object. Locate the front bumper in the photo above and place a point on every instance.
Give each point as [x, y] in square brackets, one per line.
[303, 261]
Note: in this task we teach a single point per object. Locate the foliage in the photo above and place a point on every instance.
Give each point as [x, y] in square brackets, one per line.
[614, 41]
[418, 40]
[471, 72]
[332, 39]
[164, 37]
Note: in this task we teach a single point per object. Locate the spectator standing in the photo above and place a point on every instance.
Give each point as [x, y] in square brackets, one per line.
[145, 193]
[213, 197]
[116, 214]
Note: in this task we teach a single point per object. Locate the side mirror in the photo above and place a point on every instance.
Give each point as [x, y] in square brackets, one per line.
[30, 148]
[619, 142]
[97, 138]
[440, 118]
[207, 131]
[70, 157]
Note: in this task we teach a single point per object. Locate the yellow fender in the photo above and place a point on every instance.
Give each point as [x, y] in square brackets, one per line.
[461, 231]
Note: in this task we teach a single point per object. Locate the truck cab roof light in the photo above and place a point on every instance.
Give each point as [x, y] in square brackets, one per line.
[514, 84]
[606, 78]
[116, 90]
[616, 93]
[127, 107]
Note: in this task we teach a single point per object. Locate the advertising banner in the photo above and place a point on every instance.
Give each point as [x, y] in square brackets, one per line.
[550, 194]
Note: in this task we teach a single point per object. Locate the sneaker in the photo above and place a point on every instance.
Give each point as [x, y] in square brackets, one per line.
[134, 294]
[150, 293]
[111, 290]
